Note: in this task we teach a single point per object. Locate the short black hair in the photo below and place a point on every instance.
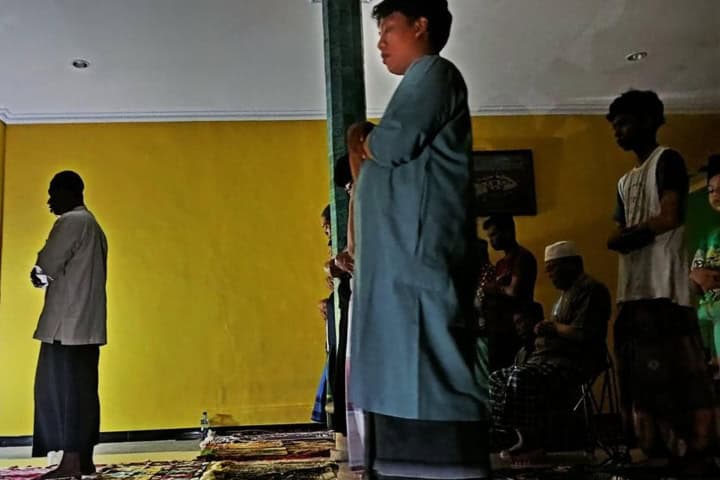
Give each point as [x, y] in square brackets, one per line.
[506, 223]
[326, 214]
[640, 103]
[713, 166]
[69, 181]
[342, 175]
[436, 11]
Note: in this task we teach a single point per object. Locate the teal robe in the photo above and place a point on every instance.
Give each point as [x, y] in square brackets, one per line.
[414, 355]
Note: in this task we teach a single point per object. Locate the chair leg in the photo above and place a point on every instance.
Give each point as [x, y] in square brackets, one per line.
[588, 403]
[593, 406]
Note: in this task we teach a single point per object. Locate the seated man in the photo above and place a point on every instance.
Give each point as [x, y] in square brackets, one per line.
[514, 284]
[569, 350]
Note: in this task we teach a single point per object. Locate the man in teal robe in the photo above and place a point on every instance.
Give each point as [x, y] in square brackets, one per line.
[414, 362]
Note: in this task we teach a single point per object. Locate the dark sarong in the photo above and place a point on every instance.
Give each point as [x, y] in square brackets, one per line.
[502, 349]
[337, 334]
[502, 338]
[67, 406]
[660, 357]
[398, 448]
[319, 415]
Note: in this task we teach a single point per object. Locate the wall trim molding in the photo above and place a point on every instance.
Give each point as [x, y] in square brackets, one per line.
[597, 108]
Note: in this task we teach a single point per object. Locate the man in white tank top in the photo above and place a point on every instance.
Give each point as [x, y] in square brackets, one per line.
[661, 364]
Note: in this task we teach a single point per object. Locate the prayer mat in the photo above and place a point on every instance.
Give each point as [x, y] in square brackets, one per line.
[268, 446]
[319, 469]
[286, 470]
[259, 435]
[16, 473]
[181, 470]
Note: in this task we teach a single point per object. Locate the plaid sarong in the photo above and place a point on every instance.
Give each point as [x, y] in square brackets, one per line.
[521, 395]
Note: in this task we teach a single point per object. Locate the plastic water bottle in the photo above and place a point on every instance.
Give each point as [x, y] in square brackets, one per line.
[204, 425]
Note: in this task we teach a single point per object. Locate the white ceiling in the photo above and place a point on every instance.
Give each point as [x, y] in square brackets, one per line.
[255, 59]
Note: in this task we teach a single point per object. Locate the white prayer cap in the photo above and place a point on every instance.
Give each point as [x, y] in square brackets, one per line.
[561, 250]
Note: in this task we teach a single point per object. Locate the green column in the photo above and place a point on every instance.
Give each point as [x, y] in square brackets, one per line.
[345, 92]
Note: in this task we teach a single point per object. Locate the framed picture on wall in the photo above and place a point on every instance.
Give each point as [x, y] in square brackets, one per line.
[504, 182]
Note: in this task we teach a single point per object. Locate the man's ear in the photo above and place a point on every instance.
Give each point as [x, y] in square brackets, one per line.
[421, 27]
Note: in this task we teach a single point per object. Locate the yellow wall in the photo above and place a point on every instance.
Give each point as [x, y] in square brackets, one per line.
[577, 165]
[2, 176]
[215, 252]
[215, 267]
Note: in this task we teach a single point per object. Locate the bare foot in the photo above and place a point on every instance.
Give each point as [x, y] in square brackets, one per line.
[58, 474]
[525, 458]
[69, 467]
[521, 455]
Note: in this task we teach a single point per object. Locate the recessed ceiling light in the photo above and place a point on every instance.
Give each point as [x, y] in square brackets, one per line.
[80, 63]
[636, 56]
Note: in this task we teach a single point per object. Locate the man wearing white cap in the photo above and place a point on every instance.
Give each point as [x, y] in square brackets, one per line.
[580, 316]
[569, 350]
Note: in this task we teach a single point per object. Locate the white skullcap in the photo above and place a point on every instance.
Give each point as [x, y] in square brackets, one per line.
[561, 250]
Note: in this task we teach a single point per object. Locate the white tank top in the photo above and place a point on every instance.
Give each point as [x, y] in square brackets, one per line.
[661, 269]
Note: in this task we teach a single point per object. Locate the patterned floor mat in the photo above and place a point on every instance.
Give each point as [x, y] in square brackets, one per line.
[252, 446]
[285, 470]
[22, 473]
[185, 470]
[319, 469]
